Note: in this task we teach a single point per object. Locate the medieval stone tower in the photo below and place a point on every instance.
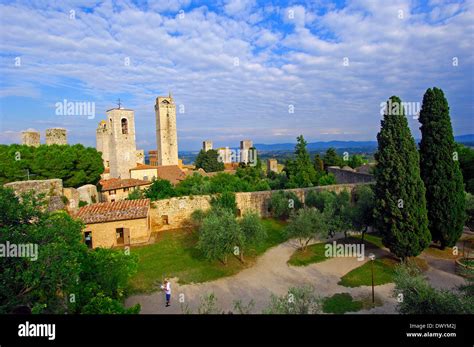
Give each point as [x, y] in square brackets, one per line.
[245, 147]
[206, 145]
[166, 136]
[30, 137]
[56, 136]
[116, 140]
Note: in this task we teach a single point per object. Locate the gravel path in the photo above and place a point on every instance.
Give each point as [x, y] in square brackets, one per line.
[270, 274]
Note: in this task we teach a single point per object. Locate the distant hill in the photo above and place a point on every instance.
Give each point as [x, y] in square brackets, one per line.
[341, 144]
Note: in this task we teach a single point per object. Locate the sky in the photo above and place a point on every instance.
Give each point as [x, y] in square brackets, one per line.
[237, 69]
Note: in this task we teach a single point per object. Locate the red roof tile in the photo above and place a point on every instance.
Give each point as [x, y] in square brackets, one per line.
[114, 211]
[117, 183]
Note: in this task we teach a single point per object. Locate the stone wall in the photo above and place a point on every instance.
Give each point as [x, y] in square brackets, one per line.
[52, 189]
[56, 136]
[176, 213]
[346, 176]
[88, 193]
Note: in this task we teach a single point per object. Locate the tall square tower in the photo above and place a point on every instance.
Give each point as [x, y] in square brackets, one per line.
[122, 148]
[166, 135]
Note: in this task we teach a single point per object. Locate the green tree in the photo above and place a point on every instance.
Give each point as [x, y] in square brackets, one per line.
[363, 209]
[253, 231]
[299, 300]
[219, 234]
[160, 189]
[400, 203]
[64, 266]
[209, 161]
[319, 165]
[420, 298]
[300, 170]
[440, 170]
[355, 161]
[466, 162]
[76, 165]
[225, 200]
[307, 224]
[331, 158]
[282, 204]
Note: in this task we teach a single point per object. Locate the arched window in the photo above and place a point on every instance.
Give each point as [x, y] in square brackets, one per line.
[124, 126]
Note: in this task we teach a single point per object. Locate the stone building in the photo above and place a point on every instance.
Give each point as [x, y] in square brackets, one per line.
[206, 145]
[56, 136]
[30, 137]
[225, 155]
[272, 165]
[245, 151]
[172, 173]
[115, 189]
[115, 138]
[166, 134]
[115, 224]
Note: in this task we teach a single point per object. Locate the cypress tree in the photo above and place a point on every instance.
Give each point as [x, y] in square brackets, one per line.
[400, 212]
[440, 170]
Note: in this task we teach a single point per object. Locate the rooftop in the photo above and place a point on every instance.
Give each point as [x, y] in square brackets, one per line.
[117, 183]
[172, 173]
[114, 211]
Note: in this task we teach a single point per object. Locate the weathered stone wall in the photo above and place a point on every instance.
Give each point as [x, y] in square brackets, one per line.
[88, 193]
[30, 138]
[104, 234]
[346, 176]
[52, 187]
[73, 198]
[56, 136]
[176, 212]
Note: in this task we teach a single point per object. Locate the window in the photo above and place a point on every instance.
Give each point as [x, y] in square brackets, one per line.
[145, 178]
[112, 192]
[126, 189]
[164, 220]
[124, 126]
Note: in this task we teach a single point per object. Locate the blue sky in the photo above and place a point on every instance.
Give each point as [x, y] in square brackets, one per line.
[333, 61]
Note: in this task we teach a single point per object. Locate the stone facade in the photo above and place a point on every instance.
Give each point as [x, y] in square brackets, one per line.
[30, 138]
[349, 176]
[73, 198]
[166, 134]
[206, 145]
[88, 193]
[272, 165]
[116, 140]
[105, 234]
[225, 155]
[245, 146]
[176, 213]
[56, 136]
[52, 190]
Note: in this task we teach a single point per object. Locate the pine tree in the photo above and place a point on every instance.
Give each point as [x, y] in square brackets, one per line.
[440, 170]
[400, 209]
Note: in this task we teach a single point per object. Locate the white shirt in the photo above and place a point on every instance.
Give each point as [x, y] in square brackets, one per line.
[167, 288]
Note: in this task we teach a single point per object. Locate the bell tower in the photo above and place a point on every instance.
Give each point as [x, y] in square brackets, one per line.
[166, 135]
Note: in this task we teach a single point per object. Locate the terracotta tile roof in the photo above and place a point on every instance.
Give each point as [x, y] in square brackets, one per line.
[143, 167]
[172, 173]
[107, 170]
[117, 183]
[114, 211]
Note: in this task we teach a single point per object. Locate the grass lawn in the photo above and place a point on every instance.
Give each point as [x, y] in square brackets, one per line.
[341, 303]
[175, 255]
[315, 252]
[362, 276]
[372, 238]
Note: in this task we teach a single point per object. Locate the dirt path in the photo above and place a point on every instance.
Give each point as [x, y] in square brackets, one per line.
[270, 274]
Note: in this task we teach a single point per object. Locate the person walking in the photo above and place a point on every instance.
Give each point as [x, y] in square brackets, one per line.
[166, 287]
